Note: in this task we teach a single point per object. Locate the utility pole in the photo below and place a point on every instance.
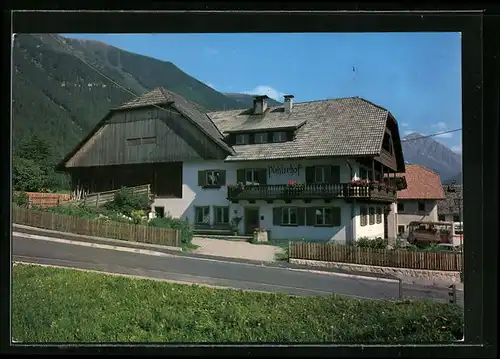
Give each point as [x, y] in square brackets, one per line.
[457, 200]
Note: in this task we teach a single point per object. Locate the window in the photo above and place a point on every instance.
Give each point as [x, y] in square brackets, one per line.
[202, 215]
[401, 229]
[252, 176]
[260, 137]
[133, 141]
[372, 215]
[160, 212]
[421, 206]
[242, 139]
[221, 215]
[153, 115]
[401, 207]
[289, 216]
[379, 215]
[386, 144]
[320, 174]
[441, 218]
[148, 140]
[456, 218]
[279, 136]
[212, 178]
[364, 215]
[363, 174]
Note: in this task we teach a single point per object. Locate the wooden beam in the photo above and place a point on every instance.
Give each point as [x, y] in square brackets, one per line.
[373, 170]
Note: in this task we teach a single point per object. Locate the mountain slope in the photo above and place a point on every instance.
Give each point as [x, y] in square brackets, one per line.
[246, 100]
[60, 98]
[431, 154]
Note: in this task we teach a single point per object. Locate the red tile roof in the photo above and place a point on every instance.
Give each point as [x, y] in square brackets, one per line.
[423, 183]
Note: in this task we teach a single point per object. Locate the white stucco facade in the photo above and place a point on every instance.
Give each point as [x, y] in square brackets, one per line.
[412, 213]
[278, 172]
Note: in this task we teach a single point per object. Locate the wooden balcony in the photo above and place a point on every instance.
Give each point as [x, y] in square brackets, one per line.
[346, 191]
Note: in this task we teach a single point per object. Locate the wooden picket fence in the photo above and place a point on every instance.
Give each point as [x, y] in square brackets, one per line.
[98, 199]
[96, 228]
[441, 261]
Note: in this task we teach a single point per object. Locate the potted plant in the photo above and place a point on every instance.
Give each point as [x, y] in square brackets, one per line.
[260, 235]
[235, 221]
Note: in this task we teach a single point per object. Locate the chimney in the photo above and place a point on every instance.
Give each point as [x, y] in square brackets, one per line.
[260, 104]
[288, 103]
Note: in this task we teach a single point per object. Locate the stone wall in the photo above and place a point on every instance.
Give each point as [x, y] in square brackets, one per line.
[429, 275]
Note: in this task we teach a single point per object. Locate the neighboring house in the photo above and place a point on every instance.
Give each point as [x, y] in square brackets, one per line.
[419, 201]
[448, 209]
[287, 169]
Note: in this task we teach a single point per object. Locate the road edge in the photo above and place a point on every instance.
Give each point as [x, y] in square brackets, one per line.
[162, 254]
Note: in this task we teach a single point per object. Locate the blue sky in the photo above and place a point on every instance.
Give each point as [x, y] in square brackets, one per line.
[417, 76]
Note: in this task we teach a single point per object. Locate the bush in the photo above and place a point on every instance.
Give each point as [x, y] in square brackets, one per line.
[126, 201]
[81, 211]
[21, 199]
[187, 230]
[377, 243]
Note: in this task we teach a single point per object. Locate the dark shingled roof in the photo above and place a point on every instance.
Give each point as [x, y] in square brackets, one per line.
[161, 96]
[337, 127]
[448, 205]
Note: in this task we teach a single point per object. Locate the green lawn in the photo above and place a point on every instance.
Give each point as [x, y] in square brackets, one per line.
[64, 305]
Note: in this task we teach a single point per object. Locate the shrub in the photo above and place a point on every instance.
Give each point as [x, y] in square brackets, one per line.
[21, 199]
[377, 243]
[126, 201]
[81, 211]
[187, 230]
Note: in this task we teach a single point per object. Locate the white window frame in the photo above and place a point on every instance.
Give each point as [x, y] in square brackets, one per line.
[242, 139]
[323, 174]
[279, 136]
[254, 179]
[205, 214]
[286, 216]
[212, 181]
[324, 217]
[221, 212]
[262, 136]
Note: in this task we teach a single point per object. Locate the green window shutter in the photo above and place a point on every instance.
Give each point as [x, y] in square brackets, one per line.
[310, 214]
[263, 176]
[240, 175]
[336, 216]
[277, 216]
[222, 177]
[301, 216]
[202, 178]
[310, 174]
[335, 174]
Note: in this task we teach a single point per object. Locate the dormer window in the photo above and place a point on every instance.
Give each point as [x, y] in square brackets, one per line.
[279, 136]
[242, 139]
[260, 137]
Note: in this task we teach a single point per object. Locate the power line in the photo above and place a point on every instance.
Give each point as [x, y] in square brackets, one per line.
[431, 135]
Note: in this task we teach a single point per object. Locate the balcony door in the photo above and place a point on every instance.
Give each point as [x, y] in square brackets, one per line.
[251, 219]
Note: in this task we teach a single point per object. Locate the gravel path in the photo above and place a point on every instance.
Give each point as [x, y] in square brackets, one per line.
[235, 249]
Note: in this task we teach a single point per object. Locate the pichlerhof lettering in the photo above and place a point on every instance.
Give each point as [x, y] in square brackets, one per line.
[281, 170]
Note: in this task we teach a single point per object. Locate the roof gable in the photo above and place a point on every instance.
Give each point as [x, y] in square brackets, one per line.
[422, 183]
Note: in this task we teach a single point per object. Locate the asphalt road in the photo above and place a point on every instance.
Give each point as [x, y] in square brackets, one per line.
[211, 272]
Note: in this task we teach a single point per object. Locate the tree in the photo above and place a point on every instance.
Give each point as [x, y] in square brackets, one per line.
[27, 175]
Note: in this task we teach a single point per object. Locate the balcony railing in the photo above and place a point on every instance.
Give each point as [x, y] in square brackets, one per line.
[311, 191]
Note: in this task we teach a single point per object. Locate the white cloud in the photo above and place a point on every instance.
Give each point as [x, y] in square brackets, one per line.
[442, 126]
[445, 135]
[457, 149]
[211, 51]
[209, 84]
[266, 90]
[404, 124]
[407, 132]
